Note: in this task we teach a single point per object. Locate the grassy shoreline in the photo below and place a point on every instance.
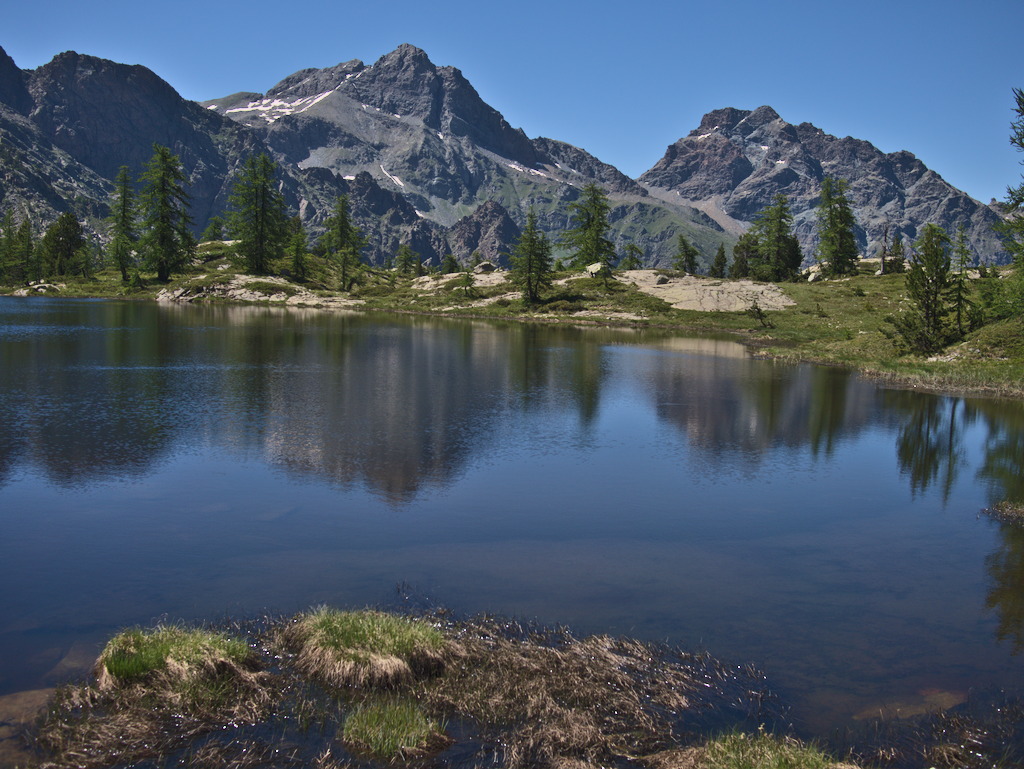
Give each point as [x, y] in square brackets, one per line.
[832, 323]
[366, 688]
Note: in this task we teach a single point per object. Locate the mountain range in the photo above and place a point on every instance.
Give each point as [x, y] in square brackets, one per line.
[427, 162]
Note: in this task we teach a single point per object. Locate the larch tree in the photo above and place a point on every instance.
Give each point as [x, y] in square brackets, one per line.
[60, 248]
[633, 259]
[922, 327]
[837, 243]
[685, 258]
[258, 219]
[587, 239]
[344, 241]
[962, 308]
[719, 264]
[778, 252]
[298, 247]
[123, 224]
[1010, 295]
[743, 253]
[166, 242]
[531, 261]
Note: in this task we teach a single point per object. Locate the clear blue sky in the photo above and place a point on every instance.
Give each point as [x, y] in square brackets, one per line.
[620, 79]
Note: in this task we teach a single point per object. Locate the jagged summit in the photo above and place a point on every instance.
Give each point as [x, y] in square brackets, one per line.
[732, 165]
[427, 162]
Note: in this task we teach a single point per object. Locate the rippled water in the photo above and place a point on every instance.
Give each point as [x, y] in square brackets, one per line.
[190, 462]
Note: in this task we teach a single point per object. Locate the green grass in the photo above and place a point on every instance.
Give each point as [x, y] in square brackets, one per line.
[270, 288]
[762, 751]
[353, 648]
[135, 654]
[391, 728]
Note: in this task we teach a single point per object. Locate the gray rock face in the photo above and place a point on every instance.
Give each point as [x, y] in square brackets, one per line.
[737, 161]
[489, 230]
[424, 133]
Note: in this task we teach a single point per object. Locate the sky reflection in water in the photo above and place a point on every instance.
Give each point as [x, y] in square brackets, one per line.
[191, 462]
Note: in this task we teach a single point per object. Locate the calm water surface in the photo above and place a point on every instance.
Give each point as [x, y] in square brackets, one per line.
[190, 462]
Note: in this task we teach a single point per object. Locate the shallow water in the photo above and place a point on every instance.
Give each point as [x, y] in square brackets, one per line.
[191, 462]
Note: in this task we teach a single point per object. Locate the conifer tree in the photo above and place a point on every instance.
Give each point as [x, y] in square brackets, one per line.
[166, 243]
[25, 265]
[1012, 228]
[123, 227]
[450, 264]
[531, 261]
[298, 247]
[720, 263]
[344, 242]
[587, 238]
[258, 218]
[897, 261]
[962, 309]
[685, 258]
[922, 327]
[7, 242]
[60, 246]
[633, 259]
[743, 253]
[778, 252]
[407, 260]
[837, 244]
[214, 229]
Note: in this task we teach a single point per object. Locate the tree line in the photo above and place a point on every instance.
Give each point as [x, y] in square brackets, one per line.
[151, 230]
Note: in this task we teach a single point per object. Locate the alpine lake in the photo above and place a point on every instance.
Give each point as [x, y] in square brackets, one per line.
[165, 462]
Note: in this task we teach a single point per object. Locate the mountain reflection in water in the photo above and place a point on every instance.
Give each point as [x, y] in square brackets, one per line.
[194, 460]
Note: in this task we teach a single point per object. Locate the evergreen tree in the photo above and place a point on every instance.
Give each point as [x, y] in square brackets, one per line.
[922, 327]
[259, 218]
[7, 243]
[407, 260]
[531, 261]
[963, 309]
[299, 253]
[586, 240]
[720, 263]
[25, 265]
[122, 221]
[685, 258]
[743, 253]
[778, 252]
[897, 261]
[166, 243]
[214, 229]
[60, 246]
[344, 242]
[450, 264]
[634, 258]
[837, 245]
[1009, 298]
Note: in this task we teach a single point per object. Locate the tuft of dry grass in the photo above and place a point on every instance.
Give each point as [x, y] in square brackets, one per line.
[562, 699]
[155, 689]
[363, 648]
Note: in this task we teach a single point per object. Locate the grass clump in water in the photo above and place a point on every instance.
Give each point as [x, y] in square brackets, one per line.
[155, 689]
[392, 728]
[364, 648]
[763, 751]
[136, 654]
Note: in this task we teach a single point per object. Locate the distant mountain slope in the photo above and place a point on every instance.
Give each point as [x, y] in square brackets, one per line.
[737, 160]
[424, 132]
[428, 163]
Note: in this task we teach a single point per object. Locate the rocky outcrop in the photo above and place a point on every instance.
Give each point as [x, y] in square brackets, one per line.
[424, 133]
[736, 161]
[489, 231]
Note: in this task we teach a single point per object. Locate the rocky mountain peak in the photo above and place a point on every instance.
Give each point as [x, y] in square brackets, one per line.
[13, 91]
[738, 160]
